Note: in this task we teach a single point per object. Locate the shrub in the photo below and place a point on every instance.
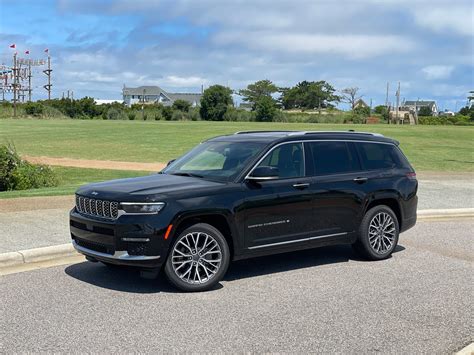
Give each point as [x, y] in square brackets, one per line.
[131, 116]
[167, 113]
[34, 108]
[114, 113]
[234, 114]
[265, 109]
[179, 116]
[181, 105]
[194, 115]
[17, 174]
[362, 111]
[458, 120]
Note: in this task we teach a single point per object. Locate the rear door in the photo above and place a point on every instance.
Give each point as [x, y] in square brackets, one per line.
[279, 212]
[337, 187]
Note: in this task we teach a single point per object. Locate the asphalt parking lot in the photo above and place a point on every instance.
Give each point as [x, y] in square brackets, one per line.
[323, 300]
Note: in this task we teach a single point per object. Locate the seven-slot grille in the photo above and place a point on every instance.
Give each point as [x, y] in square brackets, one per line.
[99, 208]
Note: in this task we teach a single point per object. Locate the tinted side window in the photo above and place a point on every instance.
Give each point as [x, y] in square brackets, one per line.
[288, 159]
[333, 158]
[379, 156]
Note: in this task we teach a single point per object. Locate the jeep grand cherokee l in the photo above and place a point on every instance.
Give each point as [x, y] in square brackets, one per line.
[250, 194]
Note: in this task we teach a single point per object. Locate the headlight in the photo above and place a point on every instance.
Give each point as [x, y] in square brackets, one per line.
[141, 208]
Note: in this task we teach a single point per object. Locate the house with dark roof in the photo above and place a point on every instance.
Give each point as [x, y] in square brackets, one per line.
[415, 106]
[155, 94]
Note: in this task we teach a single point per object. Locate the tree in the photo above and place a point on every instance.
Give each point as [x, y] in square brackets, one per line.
[380, 109]
[257, 90]
[214, 102]
[309, 95]
[181, 105]
[425, 111]
[363, 111]
[265, 109]
[467, 111]
[351, 96]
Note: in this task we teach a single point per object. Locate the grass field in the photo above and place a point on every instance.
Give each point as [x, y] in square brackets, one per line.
[70, 179]
[429, 148]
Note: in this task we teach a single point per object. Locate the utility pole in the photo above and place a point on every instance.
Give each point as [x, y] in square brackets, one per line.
[15, 83]
[386, 104]
[48, 74]
[29, 81]
[398, 103]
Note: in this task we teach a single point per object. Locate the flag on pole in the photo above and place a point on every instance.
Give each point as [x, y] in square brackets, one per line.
[27, 52]
[13, 45]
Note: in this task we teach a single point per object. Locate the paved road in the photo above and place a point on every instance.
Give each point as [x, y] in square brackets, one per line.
[323, 300]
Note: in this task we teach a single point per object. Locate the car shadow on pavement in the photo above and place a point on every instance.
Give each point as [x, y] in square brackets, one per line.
[127, 279]
[293, 260]
[124, 279]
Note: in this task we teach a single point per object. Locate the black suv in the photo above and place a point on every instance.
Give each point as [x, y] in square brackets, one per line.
[250, 194]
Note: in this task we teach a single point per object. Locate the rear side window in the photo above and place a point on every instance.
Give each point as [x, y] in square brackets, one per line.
[381, 156]
[332, 158]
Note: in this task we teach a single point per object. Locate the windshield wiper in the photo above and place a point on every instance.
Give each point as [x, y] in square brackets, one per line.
[188, 174]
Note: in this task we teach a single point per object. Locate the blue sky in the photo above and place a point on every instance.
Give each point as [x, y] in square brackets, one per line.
[98, 46]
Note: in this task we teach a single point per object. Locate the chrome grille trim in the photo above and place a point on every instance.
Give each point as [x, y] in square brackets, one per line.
[97, 208]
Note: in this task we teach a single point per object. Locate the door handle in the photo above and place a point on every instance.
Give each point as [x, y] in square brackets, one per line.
[360, 180]
[301, 186]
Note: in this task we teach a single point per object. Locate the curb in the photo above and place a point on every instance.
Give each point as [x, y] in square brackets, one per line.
[36, 255]
[468, 350]
[445, 213]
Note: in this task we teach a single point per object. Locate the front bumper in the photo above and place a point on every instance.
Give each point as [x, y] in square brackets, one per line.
[119, 257]
[129, 240]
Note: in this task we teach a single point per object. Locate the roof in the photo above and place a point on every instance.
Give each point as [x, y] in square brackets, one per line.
[184, 96]
[420, 103]
[149, 90]
[282, 136]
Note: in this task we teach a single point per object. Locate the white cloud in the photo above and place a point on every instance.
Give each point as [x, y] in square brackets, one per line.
[178, 81]
[459, 19]
[355, 46]
[434, 72]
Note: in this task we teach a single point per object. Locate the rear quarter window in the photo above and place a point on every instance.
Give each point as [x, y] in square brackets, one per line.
[381, 156]
[332, 158]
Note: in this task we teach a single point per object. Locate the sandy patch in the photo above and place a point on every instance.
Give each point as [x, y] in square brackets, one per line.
[95, 164]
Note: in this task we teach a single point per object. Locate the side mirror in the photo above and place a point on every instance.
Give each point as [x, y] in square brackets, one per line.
[172, 160]
[263, 173]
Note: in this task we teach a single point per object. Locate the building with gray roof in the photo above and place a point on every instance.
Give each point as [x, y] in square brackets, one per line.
[155, 94]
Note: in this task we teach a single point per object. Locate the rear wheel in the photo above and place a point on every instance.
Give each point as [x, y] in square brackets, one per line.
[198, 259]
[378, 233]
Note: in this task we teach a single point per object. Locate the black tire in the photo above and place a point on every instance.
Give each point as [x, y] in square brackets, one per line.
[197, 262]
[365, 246]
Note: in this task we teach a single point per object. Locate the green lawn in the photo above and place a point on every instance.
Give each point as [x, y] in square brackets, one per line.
[429, 148]
[434, 148]
[70, 179]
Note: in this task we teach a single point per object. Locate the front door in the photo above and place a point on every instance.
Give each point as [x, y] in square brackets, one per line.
[278, 212]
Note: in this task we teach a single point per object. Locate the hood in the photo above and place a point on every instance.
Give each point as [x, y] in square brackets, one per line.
[146, 188]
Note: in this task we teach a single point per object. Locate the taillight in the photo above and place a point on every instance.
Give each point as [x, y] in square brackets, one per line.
[411, 176]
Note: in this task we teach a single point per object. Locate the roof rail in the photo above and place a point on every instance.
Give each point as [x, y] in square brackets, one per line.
[349, 131]
[270, 131]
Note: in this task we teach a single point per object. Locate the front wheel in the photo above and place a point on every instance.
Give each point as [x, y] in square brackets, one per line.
[198, 259]
[378, 233]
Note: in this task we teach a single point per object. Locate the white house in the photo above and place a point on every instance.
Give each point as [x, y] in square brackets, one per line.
[155, 94]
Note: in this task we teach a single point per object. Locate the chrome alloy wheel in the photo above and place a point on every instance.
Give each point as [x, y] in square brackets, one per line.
[382, 233]
[196, 258]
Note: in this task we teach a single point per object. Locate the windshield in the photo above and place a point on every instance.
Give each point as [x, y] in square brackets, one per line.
[221, 161]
